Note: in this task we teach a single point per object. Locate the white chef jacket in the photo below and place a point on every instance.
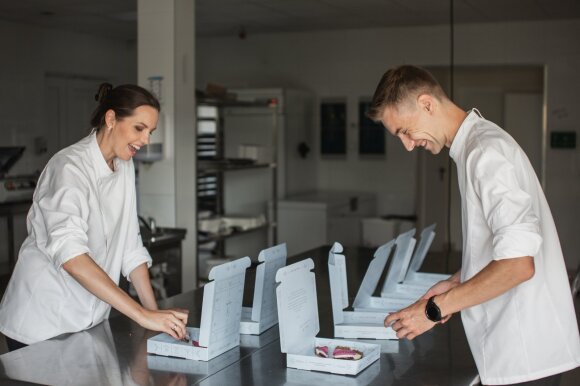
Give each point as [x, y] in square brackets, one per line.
[530, 331]
[79, 206]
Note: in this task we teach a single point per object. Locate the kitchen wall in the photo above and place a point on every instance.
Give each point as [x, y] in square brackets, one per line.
[30, 53]
[349, 63]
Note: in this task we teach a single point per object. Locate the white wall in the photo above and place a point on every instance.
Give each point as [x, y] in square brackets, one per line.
[28, 53]
[350, 62]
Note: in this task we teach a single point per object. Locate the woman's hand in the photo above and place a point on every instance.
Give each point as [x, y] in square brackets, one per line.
[171, 321]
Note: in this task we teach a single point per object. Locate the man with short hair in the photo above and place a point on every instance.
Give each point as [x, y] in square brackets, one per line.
[512, 289]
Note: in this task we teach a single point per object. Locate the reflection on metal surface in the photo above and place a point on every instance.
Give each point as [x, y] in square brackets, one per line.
[84, 358]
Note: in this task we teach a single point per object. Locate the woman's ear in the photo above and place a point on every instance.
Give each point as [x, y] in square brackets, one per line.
[110, 119]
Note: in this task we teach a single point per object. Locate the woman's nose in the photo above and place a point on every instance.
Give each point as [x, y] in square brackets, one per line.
[146, 137]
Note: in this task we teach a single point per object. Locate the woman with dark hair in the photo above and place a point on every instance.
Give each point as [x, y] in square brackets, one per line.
[83, 232]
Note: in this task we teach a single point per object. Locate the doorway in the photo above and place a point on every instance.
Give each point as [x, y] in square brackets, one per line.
[69, 103]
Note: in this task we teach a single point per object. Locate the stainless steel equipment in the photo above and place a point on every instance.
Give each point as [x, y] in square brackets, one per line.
[14, 188]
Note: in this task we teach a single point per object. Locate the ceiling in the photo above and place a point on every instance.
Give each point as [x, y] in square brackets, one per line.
[117, 18]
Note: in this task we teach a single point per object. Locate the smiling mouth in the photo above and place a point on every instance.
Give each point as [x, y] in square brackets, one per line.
[134, 149]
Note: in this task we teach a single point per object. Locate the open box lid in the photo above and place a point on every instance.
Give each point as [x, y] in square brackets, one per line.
[221, 310]
[427, 236]
[398, 269]
[373, 274]
[297, 306]
[338, 282]
[264, 301]
[9, 155]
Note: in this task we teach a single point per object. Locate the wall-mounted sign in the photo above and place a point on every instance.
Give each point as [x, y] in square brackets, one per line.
[563, 140]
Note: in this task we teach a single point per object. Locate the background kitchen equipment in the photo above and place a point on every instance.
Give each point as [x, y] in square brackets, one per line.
[14, 188]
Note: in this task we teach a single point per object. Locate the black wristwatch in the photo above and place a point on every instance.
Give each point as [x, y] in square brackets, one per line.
[432, 310]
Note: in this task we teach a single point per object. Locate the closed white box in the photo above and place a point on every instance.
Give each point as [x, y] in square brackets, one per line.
[299, 324]
[220, 317]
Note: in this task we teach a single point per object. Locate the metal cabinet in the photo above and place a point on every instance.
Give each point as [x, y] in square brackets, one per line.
[237, 166]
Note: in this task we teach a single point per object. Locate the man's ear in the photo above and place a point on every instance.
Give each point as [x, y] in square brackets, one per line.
[426, 103]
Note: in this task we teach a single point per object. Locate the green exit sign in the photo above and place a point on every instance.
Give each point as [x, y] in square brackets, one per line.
[563, 140]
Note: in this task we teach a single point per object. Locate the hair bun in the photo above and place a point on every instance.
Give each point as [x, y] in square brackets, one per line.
[104, 90]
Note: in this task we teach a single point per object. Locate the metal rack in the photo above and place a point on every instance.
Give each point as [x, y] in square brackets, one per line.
[213, 168]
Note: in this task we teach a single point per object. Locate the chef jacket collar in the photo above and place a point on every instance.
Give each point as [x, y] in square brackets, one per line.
[101, 168]
[461, 135]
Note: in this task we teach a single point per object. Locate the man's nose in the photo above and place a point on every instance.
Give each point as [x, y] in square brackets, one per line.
[409, 144]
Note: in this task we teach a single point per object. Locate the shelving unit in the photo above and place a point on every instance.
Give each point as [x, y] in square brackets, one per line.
[229, 187]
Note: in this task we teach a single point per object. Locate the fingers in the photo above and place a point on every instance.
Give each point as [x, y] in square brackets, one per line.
[391, 318]
[428, 294]
[180, 313]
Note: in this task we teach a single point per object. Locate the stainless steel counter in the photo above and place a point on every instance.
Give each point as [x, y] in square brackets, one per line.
[114, 352]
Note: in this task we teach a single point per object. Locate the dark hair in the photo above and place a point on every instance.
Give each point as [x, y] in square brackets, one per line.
[123, 100]
[398, 83]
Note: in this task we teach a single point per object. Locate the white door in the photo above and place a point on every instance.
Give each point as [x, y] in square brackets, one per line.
[69, 104]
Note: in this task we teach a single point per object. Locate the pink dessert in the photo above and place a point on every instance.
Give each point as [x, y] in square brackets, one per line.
[343, 352]
[321, 351]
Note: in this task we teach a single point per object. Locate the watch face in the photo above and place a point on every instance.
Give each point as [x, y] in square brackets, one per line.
[433, 312]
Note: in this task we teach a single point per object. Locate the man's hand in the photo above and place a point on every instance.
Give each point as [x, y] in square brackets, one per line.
[439, 288]
[410, 322]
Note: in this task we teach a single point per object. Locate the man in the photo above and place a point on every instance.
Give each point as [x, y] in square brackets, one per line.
[512, 289]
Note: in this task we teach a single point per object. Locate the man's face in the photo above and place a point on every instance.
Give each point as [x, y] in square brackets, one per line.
[415, 126]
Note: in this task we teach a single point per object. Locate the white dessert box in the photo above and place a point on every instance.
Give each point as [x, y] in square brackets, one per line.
[310, 378]
[263, 313]
[299, 324]
[392, 286]
[413, 276]
[351, 324]
[364, 300]
[220, 317]
[181, 365]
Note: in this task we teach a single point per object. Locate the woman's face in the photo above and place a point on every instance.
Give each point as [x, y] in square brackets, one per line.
[131, 133]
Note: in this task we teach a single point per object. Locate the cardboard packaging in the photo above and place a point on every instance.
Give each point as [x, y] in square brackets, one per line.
[405, 243]
[309, 378]
[351, 324]
[364, 300]
[299, 325]
[220, 317]
[263, 313]
[180, 365]
[414, 277]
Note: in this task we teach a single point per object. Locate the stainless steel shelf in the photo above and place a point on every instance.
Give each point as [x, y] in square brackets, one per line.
[218, 237]
[221, 166]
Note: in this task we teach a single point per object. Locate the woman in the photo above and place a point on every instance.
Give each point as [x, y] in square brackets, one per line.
[83, 232]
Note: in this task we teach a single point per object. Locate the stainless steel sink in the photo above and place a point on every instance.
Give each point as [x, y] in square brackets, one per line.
[161, 235]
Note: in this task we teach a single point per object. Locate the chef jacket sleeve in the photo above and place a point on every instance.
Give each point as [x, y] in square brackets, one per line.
[506, 206]
[65, 210]
[136, 253]
[135, 258]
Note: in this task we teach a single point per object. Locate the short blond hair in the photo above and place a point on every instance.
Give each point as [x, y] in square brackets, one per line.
[400, 83]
